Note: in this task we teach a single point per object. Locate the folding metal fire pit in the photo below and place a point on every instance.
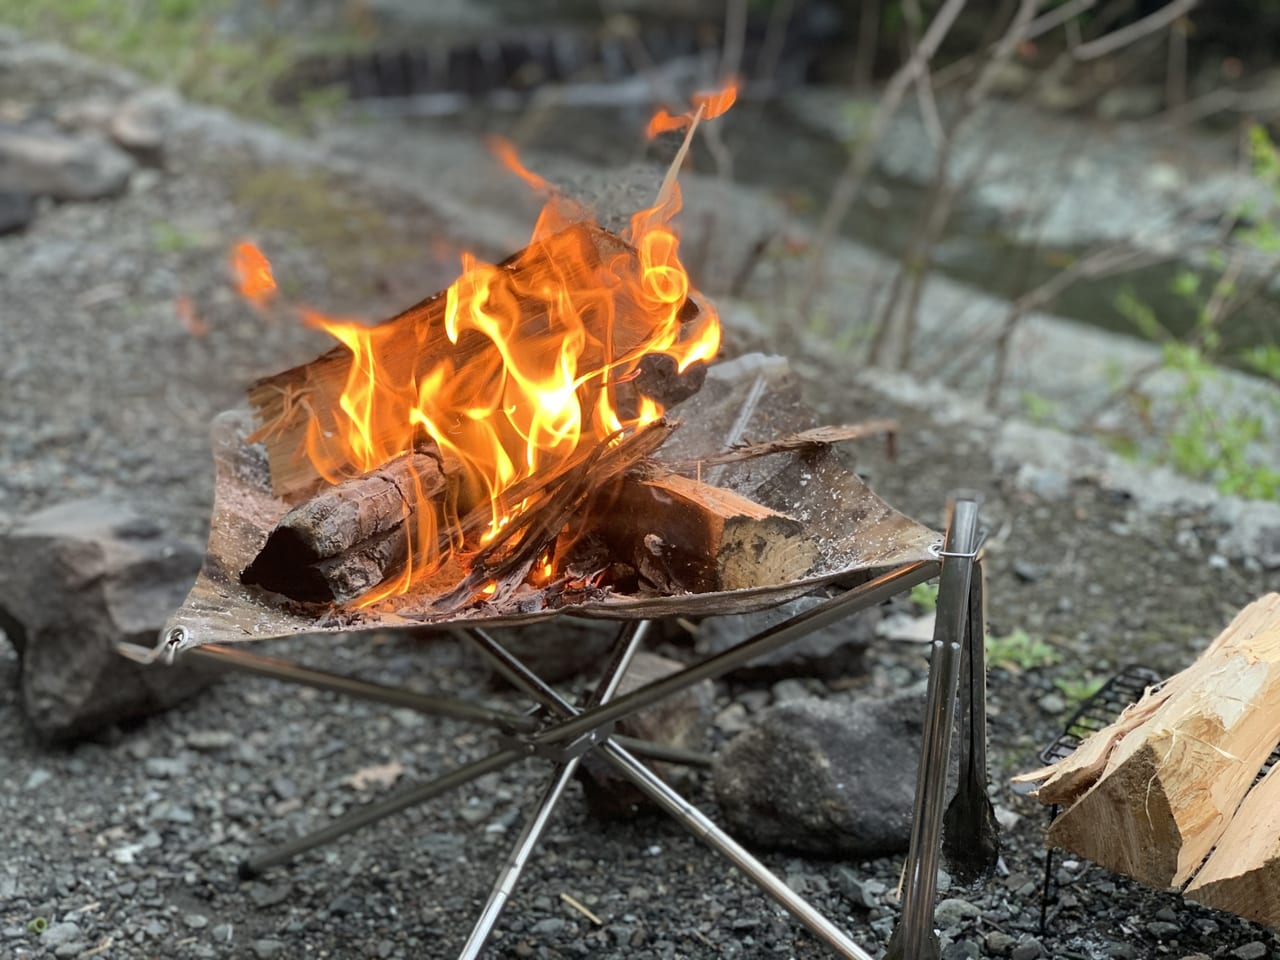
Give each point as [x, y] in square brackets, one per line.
[867, 552]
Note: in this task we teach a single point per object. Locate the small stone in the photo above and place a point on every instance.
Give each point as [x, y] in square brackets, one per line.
[165, 767]
[142, 122]
[961, 950]
[1052, 704]
[72, 949]
[1163, 929]
[789, 691]
[37, 779]
[266, 949]
[66, 167]
[1029, 949]
[17, 210]
[268, 896]
[861, 892]
[953, 913]
[999, 943]
[222, 933]
[1253, 950]
[345, 904]
[210, 739]
[549, 927]
[732, 719]
[196, 921]
[60, 933]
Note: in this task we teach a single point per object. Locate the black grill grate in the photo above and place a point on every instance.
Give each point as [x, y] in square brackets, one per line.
[1101, 709]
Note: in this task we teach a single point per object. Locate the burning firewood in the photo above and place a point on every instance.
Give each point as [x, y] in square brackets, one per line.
[1150, 795]
[350, 537]
[299, 407]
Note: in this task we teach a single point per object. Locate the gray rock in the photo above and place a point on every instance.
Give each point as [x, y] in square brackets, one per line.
[559, 649]
[1254, 950]
[1163, 929]
[17, 209]
[75, 580]
[681, 720]
[1130, 103]
[267, 949]
[1028, 949]
[65, 167]
[143, 121]
[832, 779]
[59, 933]
[954, 913]
[835, 651]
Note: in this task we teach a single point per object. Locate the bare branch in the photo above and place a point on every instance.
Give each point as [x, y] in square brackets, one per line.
[849, 184]
[1118, 39]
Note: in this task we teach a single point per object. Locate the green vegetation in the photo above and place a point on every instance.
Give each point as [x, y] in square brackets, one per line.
[1203, 441]
[925, 596]
[1019, 651]
[354, 238]
[185, 44]
[1076, 690]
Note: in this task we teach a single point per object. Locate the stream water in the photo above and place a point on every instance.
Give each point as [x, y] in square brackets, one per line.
[773, 150]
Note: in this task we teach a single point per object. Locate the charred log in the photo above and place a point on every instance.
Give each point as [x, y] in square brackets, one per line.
[350, 537]
[409, 345]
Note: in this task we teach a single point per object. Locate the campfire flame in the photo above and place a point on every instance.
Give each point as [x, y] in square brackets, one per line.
[551, 391]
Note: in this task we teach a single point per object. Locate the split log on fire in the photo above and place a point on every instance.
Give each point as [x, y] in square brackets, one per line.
[350, 537]
[1150, 795]
[411, 344]
[685, 536]
[1242, 875]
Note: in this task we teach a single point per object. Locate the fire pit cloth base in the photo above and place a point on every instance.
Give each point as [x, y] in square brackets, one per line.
[751, 398]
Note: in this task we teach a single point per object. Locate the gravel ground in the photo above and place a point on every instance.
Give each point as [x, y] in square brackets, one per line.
[128, 845]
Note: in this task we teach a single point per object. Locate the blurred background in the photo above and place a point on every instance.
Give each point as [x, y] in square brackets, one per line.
[914, 185]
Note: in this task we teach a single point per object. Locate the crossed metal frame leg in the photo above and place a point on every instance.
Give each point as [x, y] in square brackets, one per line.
[562, 733]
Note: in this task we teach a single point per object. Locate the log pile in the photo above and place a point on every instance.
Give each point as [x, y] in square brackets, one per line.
[605, 517]
[1172, 781]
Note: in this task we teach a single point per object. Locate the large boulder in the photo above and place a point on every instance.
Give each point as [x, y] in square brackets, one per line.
[834, 779]
[75, 580]
[47, 162]
[834, 651]
[680, 720]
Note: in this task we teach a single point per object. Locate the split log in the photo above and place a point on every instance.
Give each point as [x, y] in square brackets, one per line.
[1242, 875]
[1150, 795]
[350, 537]
[684, 536]
[411, 343]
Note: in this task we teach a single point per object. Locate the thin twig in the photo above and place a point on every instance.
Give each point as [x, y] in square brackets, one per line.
[849, 184]
[1119, 39]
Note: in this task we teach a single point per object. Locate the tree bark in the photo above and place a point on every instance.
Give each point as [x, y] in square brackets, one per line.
[352, 536]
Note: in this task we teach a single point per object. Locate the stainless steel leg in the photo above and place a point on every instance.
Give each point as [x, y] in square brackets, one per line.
[914, 938]
[859, 598]
[400, 800]
[676, 806]
[628, 642]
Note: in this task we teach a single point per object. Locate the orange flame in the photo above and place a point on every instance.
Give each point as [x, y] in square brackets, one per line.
[523, 369]
[252, 274]
[706, 106]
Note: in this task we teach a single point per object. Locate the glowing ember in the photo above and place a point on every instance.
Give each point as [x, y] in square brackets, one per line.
[706, 106]
[252, 274]
[522, 373]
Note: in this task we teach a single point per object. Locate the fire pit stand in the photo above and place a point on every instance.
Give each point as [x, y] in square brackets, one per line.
[563, 733]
